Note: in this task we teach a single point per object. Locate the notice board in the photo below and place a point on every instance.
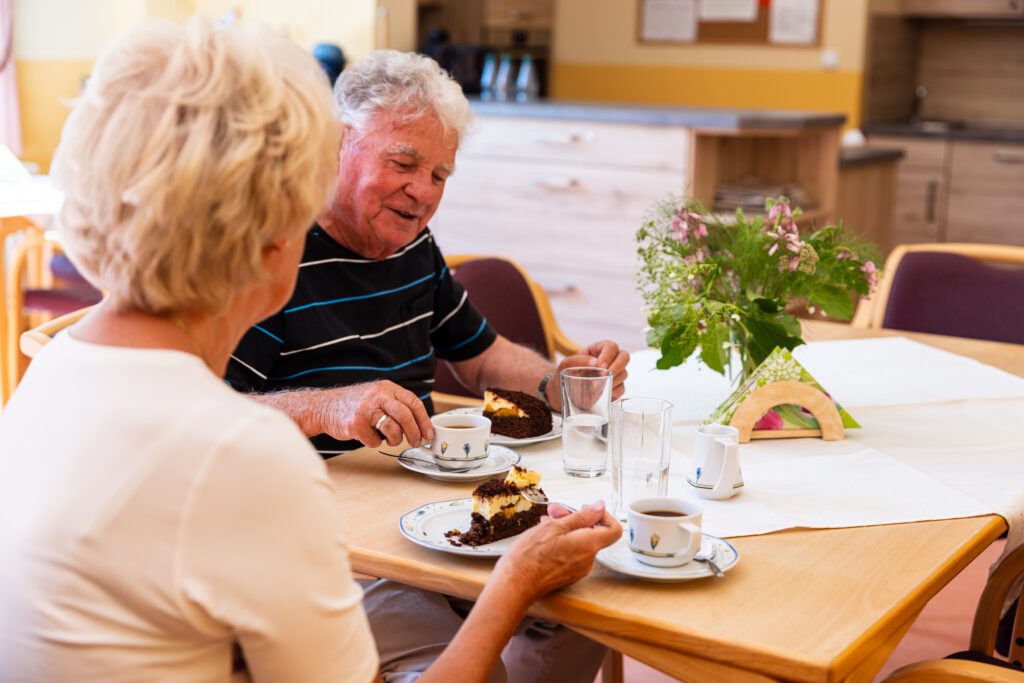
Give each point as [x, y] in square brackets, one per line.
[783, 23]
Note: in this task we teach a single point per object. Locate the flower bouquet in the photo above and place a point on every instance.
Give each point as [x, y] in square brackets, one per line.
[723, 283]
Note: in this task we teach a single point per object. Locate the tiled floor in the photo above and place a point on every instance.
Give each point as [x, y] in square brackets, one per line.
[944, 626]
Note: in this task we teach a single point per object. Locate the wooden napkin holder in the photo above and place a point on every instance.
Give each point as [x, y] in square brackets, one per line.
[765, 398]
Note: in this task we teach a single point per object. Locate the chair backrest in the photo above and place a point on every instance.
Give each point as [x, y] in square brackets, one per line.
[514, 305]
[962, 290]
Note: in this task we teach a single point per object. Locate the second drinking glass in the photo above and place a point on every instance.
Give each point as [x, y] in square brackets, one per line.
[640, 441]
[586, 398]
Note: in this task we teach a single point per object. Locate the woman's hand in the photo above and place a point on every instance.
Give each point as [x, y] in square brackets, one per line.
[557, 552]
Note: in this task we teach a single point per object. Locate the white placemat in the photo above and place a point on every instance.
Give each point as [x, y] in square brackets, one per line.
[900, 371]
[857, 373]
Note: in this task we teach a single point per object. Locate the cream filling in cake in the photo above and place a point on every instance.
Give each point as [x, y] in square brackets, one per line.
[499, 406]
[494, 505]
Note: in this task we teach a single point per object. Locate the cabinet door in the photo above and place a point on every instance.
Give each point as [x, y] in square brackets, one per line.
[571, 226]
[986, 200]
[964, 8]
[919, 211]
[519, 14]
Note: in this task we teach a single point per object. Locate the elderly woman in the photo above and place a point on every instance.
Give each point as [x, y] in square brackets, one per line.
[151, 518]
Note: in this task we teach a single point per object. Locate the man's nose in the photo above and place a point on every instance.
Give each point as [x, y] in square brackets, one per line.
[423, 189]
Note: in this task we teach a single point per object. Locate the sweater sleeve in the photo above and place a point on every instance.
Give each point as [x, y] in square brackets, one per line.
[261, 550]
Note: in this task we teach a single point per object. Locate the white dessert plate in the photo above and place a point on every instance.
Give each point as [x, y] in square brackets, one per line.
[501, 439]
[499, 460]
[427, 525]
[620, 558]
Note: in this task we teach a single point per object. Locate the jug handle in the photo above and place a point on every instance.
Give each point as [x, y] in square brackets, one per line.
[729, 462]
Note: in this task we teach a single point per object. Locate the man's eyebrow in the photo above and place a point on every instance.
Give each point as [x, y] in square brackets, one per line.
[406, 149]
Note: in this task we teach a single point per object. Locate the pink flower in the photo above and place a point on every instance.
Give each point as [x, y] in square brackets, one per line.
[701, 231]
[870, 274]
[770, 420]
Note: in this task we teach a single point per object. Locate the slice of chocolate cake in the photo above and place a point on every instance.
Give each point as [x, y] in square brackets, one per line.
[515, 414]
[500, 510]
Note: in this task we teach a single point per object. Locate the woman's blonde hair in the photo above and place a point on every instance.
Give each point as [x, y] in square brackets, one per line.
[191, 149]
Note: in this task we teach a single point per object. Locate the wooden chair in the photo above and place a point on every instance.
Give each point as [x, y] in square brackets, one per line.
[12, 229]
[956, 289]
[514, 304]
[32, 300]
[36, 338]
[981, 662]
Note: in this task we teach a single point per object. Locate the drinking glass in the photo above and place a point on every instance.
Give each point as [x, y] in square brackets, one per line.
[586, 399]
[640, 441]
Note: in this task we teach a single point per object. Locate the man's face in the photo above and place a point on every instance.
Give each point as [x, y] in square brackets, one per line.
[390, 182]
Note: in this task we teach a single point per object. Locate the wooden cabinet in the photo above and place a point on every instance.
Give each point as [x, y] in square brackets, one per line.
[986, 200]
[958, 191]
[526, 15]
[922, 190]
[964, 8]
[564, 199]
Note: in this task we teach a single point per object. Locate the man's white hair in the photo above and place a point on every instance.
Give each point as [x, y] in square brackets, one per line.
[404, 85]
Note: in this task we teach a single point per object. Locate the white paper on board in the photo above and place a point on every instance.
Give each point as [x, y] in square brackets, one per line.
[670, 20]
[793, 21]
[728, 10]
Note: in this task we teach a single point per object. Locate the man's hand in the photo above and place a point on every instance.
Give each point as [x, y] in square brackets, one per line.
[602, 354]
[353, 412]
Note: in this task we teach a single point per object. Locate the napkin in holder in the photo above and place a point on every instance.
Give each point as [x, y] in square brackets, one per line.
[780, 400]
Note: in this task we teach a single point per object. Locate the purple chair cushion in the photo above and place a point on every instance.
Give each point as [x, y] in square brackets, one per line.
[500, 293]
[63, 269]
[60, 301]
[942, 293]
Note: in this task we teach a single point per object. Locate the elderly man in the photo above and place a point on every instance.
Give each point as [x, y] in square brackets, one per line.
[352, 356]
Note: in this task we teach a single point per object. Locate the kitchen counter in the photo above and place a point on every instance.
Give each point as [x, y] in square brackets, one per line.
[938, 131]
[861, 156]
[688, 117]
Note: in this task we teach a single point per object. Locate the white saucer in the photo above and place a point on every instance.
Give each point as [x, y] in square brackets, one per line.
[499, 460]
[556, 429]
[427, 525]
[620, 558]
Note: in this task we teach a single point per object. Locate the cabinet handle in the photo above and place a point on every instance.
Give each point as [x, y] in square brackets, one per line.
[552, 137]
[930, 195]
[1006, 156]
[555, 182]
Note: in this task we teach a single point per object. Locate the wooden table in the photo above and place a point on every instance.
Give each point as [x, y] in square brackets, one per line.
[802, 605]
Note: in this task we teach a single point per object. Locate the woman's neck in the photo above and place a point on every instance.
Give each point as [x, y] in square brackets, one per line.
[210, 338]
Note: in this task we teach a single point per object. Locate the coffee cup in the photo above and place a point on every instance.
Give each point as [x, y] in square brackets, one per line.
[664, 532]
[460, 441]
[715, 471]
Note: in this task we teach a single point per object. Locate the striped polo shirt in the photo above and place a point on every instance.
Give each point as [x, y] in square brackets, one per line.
[353, 319]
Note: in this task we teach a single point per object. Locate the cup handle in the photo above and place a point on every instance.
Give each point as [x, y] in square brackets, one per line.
[693, 545]
[728, 474]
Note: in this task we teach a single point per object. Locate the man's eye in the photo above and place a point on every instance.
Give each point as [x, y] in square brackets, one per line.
[404, 165]
[440, 179]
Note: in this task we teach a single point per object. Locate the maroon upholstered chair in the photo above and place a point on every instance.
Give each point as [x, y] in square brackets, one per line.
[961, 290]
[514, 305]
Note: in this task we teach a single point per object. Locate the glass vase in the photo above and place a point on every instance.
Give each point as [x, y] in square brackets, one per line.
[740, 364]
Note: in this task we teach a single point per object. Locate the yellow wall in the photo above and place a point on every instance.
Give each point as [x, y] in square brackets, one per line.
[596, 56]
[57, 41]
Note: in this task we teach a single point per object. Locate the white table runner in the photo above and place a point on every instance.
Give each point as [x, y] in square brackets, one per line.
[935, 443]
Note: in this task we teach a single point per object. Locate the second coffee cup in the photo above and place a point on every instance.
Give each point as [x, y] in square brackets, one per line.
[664, 532]
[460, 441]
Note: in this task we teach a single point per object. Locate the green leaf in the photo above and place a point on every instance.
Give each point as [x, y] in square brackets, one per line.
[712, 350]
[767, 305]
[766, 335]
[834, 301]
[676, 347]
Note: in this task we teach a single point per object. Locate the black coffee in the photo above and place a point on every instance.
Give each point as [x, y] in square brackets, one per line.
[665, 513]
